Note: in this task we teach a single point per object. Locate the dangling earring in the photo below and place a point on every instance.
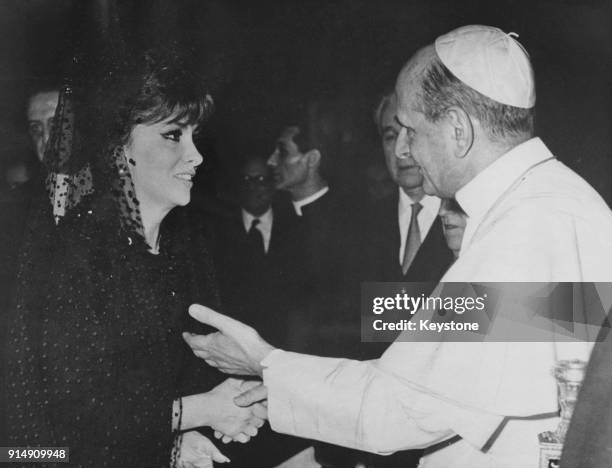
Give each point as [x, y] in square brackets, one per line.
[131, 161]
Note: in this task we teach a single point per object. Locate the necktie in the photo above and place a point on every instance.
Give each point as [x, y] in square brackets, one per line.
[256, 238]
[413, 238]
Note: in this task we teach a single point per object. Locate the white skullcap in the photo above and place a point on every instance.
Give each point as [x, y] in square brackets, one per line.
[491, 62]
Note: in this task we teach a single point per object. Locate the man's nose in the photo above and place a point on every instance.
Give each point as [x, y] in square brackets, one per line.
[444, 207]
[402, 148]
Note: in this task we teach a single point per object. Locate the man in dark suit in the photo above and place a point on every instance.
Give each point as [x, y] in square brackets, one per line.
[251, 259]
[405, 241]
[324, 246]
[18, 196]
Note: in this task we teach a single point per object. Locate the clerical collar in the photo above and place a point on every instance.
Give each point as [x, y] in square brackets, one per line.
[306, 201]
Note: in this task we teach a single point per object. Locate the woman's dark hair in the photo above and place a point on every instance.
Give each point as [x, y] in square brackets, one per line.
[168, 89]
[116, 90]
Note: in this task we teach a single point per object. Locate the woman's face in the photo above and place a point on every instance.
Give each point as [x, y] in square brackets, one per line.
[453, 225]
[163, 161]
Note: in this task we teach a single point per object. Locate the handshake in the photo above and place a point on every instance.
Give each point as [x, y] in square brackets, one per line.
[229, 409]
[236, 408]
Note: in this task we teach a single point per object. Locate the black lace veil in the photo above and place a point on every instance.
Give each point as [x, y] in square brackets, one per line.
[96, 106]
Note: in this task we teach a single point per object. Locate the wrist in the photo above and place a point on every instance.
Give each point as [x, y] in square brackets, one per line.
[177, 414]
[194, 412]
[262, 355]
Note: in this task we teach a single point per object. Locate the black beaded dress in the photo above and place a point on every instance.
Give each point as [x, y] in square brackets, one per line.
[94, 351]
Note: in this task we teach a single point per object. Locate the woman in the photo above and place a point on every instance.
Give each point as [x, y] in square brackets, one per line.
[453, 224]
[96, 361]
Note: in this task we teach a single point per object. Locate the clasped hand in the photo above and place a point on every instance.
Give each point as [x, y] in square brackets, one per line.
[218, 410]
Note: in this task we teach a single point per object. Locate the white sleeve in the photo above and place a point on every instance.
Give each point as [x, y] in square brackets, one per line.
[357, 404]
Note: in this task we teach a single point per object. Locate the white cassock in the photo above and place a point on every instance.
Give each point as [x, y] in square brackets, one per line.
[530, 219]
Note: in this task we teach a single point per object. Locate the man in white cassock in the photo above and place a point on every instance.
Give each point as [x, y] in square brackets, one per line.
[466, 115]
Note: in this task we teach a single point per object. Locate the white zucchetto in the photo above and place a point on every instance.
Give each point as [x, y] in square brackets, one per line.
[491, 62]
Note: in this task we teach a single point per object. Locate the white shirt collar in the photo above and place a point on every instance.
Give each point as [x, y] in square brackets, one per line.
[306, 201]
[264, 219]
[429, 202]
[479, 195]
[425, 219]
[264, 226]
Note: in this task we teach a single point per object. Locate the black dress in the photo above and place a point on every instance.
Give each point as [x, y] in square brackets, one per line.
[95, 354]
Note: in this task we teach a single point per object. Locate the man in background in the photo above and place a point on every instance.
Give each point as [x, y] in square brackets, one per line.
[40, 113]
[251, 252]
[322, 245]
[404, 240]
[21, 178]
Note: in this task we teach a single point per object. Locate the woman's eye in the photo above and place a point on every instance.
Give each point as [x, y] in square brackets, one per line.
[174, 135]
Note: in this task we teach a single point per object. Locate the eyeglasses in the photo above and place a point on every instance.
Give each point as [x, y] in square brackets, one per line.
[255, 180]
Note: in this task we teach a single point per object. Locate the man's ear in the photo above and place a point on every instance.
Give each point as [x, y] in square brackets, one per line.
[462, 130]
[313, 158]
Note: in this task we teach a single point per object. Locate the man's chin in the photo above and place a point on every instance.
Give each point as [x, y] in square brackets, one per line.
[429, 189]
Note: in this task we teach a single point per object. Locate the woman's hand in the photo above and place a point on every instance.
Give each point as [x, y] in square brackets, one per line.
[197, 451]
[252, 397]
[229, 419]
[218, 410]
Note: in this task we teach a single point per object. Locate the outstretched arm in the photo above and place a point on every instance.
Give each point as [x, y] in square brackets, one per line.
[350, 403]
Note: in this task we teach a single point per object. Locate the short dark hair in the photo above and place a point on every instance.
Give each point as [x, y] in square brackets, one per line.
[440, 89]
[303, 138]
[315, 122]
[307, 139]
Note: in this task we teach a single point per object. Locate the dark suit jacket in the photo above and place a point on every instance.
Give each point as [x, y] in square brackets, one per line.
[380, 249]
[257, 290]
[254, 288]
[383, 242]
[325, 245]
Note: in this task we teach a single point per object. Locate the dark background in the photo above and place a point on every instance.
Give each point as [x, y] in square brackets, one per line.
[331, 57]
